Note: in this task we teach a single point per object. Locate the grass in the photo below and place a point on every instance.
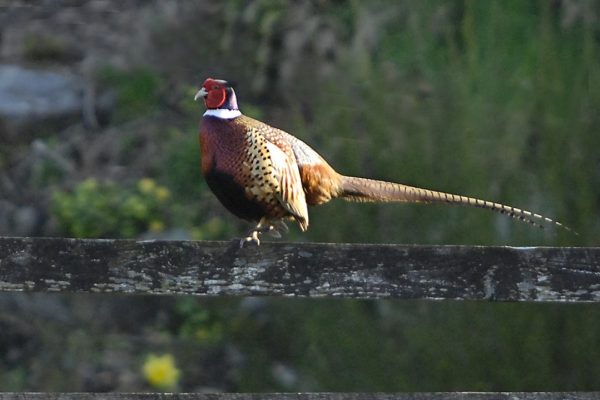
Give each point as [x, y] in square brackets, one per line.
[496, 102]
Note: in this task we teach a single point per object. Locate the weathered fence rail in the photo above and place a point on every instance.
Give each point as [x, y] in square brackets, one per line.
[286, 269]
[305, 396]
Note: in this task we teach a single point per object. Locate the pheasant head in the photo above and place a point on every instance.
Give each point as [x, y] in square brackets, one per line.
[218, 95]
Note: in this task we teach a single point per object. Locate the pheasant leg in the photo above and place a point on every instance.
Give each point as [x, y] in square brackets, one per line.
[264, 226]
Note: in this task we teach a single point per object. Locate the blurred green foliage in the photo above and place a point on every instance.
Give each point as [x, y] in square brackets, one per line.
[197, 322]
[39, 48]
[106, 209]
[137, 90]
[392, 346]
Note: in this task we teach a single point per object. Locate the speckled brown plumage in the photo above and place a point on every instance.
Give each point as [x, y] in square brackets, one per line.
[261, 173]
[252, 172]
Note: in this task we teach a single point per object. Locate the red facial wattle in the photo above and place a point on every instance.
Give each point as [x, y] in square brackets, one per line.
[216, 97]
[216, 93]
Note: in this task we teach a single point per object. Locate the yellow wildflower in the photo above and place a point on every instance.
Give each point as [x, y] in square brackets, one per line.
[162, 193]
[146, 185]
[160, 371]
[156, 226]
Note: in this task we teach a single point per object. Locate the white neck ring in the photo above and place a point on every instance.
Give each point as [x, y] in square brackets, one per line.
[223, 113]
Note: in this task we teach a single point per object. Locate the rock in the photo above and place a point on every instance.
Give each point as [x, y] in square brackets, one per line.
[284, 375]
[19, 221]
[37, 101]
[26, 93]
[6, 210]
[27, 221]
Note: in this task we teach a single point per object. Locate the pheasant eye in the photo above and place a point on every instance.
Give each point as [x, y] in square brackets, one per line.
[215, 87]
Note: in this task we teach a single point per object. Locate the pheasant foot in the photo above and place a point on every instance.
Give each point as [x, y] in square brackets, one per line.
[273, 228]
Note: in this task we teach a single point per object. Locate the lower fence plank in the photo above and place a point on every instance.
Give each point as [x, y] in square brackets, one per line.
[306, 396]
[294, 269]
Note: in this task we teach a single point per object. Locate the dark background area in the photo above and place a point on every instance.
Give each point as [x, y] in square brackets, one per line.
[98, 138]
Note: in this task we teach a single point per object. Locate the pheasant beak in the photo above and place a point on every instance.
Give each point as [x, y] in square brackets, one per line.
[201, 93]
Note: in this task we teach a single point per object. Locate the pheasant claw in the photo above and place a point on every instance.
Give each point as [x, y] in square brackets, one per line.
[252, 238]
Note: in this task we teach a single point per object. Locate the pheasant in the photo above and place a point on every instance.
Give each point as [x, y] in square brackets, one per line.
[263, 174]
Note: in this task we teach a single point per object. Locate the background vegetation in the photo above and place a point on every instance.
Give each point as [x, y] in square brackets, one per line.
[495, 99]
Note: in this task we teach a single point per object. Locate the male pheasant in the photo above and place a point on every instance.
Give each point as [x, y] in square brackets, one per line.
[263, 174]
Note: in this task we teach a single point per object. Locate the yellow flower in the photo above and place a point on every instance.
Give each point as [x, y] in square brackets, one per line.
[160, 371]
[146, 185]
[156, 226]
[162, 193]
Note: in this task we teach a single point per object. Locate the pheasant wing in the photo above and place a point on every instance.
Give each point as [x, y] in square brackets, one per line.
[276, 171]
[290, 193]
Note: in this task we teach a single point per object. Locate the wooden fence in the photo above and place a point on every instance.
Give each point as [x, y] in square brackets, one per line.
[308, 270]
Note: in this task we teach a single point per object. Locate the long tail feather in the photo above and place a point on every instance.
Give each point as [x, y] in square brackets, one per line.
[369, 190]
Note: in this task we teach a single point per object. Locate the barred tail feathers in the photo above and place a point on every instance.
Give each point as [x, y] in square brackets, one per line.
[369, 190]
